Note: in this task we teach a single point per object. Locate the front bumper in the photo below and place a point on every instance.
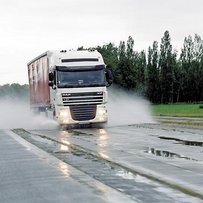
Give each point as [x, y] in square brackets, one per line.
[65, 116]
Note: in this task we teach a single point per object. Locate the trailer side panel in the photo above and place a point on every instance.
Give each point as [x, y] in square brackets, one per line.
[38, 83]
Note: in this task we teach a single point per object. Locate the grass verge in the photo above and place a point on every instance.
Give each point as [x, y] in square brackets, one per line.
[178, 110]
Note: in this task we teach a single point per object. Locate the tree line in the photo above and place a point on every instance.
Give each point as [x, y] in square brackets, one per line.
[14, 92]
[160, 74]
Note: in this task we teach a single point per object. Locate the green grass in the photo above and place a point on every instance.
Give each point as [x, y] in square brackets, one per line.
[179, 110]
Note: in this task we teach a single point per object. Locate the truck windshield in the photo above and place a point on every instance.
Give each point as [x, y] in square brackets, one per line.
[80, 76]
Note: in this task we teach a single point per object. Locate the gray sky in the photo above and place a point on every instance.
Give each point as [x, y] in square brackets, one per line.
[29, 28]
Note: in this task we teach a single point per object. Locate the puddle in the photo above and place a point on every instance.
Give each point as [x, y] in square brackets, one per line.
[184, 142]
[166, 154]
[125, 174]
[131, 176]
[62, 149]
[42, 139]
[79, 133]
[77, 153]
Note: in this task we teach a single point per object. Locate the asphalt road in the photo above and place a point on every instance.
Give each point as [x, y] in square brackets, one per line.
[144, 163]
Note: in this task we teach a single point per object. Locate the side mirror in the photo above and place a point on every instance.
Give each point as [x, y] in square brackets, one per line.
[51, 77]
[52, 80]
[109, 77]
[51, 83]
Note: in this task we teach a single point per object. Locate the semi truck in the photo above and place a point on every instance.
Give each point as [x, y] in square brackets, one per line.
[70, 86]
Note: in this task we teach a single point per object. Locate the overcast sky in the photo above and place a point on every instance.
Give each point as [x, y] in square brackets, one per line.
[28, 28]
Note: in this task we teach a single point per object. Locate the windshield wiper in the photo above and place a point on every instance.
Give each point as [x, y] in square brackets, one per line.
[97, 85]
[66, 86]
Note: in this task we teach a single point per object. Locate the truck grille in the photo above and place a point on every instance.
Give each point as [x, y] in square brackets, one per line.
[70, 99]
[83, 112]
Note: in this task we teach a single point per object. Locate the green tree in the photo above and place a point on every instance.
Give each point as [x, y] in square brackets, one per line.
[141, 70]
[166, 69]
[191, 60]
[129, 70]
[153, 74]
[120, 78]
[186, 58]
[109, 53]
[197, 67]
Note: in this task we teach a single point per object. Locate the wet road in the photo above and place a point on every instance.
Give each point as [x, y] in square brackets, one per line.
[145, 162]
[29, 175]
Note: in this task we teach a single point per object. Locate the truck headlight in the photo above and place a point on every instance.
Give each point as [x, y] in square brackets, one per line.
[102, 111]
[63, 114]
